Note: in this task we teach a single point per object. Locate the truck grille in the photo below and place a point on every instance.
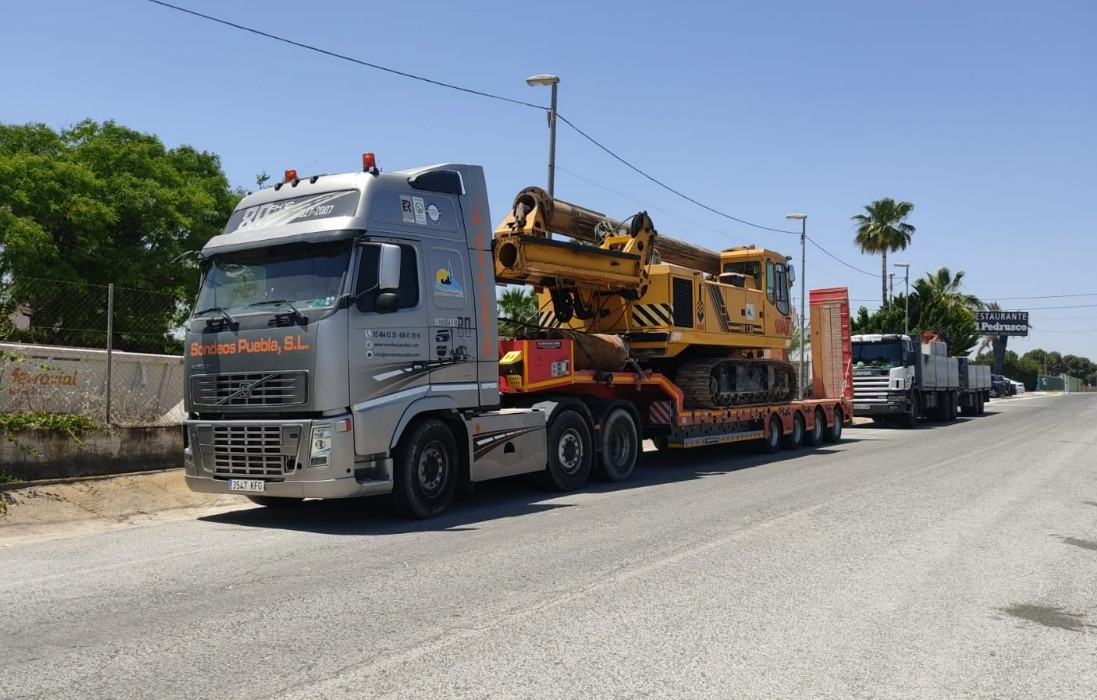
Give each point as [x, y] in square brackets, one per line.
[250, 389]
[870, 389]
[249, 450]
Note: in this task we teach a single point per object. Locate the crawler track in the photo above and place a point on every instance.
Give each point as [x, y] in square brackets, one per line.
[726, 383]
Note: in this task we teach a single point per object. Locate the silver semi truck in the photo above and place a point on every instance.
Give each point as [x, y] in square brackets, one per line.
[344, 343]
[899, 379]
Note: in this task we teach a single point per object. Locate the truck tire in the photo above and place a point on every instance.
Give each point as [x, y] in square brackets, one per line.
[795, 438]
[834, 433]
[982, 406]
[910, 420]
[620, 443]
[818, 429]
[426, 470]
[276, 501]
[773, 437]
[570, 451]
[953, 407]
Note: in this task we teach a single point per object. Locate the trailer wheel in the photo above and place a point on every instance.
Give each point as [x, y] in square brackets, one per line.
[569, 451]
[426, 471]
[276, 501]
[953, 407]
[834, 434]
[982, 406]
[818, 429]
[795, 439]
[620, 442]
[773, 434]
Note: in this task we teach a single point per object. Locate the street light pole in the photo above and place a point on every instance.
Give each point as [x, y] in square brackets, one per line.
[803, 218]
[552, 81]
[906, 298]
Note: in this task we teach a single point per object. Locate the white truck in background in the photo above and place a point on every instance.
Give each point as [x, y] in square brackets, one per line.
[899, 379]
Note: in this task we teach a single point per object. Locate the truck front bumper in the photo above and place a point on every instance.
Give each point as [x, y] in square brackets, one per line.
[348, 487]
[889, 408]
[305, 458]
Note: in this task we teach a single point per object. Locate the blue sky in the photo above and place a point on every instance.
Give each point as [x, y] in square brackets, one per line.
[980, 113]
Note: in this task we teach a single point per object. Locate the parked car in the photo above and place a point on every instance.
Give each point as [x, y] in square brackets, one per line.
[1018, 387]
[1000, 386]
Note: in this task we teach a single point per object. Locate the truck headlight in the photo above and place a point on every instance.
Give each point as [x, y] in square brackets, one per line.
[321, 446]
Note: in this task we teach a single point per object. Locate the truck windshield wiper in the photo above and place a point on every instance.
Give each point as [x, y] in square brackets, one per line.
[296, 312]
[218, 310]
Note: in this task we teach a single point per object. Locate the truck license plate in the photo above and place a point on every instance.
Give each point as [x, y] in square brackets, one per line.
[860, 407]
[249, 485]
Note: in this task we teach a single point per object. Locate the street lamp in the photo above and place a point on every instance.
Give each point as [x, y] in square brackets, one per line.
[553, 81]
[906, 299]
[803, 219]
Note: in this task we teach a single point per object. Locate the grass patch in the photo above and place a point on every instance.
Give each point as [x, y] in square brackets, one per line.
[75, 427]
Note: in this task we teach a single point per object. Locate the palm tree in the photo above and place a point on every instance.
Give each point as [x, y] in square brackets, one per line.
[882, 230]
[518, 306]
[946, 286]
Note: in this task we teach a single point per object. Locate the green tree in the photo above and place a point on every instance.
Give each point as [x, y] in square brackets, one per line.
[882, 229]
[99, 203]
[518, 309]
[937, 302]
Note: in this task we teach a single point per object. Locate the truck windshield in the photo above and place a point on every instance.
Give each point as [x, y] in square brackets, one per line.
[886, 354]
[308, 276]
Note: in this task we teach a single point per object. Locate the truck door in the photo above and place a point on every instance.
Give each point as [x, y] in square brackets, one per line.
[452, 347]
[388, 351]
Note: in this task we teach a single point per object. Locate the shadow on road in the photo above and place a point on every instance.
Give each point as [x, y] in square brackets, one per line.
[511, 497]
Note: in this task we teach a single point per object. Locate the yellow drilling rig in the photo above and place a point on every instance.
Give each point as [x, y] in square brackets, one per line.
[718, 324]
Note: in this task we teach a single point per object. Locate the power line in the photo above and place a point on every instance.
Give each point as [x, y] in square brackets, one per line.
[451, 86]
[665, 186]
[1049, 296]
[827, 252]
[343, 57]
[645, 204]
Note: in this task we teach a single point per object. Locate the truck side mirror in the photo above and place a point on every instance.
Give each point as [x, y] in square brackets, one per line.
[386, 303]
[388, 270]
[791, 273]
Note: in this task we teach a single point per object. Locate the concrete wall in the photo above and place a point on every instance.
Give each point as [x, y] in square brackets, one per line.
[52, 455]
[146, 389]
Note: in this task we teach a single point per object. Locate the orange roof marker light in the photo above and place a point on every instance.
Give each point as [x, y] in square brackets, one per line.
[291, 174]
[369, 164]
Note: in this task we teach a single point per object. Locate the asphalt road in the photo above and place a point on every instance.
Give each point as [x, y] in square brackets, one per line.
[957, 560]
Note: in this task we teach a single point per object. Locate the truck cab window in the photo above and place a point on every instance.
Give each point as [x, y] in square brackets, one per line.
[769, 280]
[749, 272]
[781, 283]
[369, 257]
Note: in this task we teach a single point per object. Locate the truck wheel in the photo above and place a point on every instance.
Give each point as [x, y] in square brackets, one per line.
[818, 429]
[569, 451]
[773, 434]
[620, 440]
[795, 439]
[276, 501]
[953, 408]
[426, 470]
[910, 420]
[834, 434]
[982, 406]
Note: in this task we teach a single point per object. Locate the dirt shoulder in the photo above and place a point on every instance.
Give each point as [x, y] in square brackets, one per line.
[53, 511]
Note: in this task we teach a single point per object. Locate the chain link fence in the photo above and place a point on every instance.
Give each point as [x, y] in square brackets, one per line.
[111, 353]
